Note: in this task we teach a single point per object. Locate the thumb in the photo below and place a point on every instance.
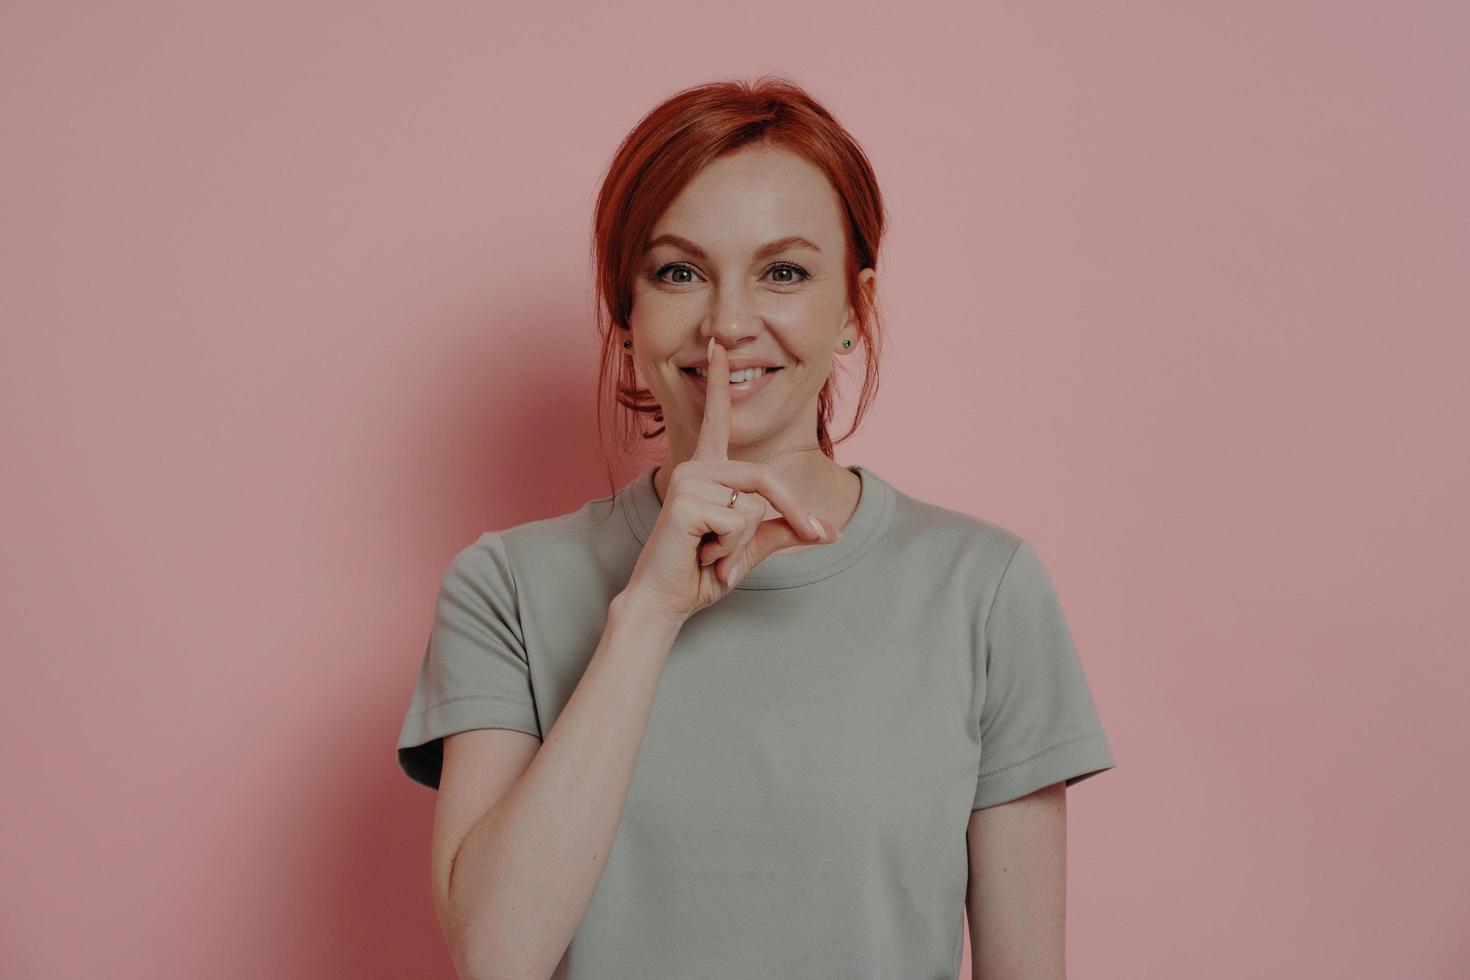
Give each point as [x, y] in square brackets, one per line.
[774, 534]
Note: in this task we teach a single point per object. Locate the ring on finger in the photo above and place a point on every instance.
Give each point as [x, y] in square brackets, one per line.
[733, 495]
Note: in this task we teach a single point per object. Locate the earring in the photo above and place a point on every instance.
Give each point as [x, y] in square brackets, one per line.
[846, 344]
[627, 345]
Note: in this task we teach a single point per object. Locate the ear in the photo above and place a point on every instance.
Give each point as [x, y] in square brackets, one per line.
[868, 283]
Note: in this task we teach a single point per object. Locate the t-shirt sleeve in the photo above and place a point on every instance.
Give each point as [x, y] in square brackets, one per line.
[474, 673]
[1039, 724]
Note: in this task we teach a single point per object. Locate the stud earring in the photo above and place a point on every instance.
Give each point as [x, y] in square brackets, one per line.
[846, 344]
[627, 345]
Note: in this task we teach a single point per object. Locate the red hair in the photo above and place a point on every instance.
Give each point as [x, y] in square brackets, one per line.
[671, 144]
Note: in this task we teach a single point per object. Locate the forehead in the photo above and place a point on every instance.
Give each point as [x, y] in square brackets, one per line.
[755, 194]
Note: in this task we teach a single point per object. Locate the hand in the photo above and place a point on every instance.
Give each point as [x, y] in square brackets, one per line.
[682, 569]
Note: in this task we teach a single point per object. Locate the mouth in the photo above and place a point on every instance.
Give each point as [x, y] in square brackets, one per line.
[736, 377]
[743, 384]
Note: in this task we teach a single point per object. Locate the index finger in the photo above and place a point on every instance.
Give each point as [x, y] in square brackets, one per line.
[714, 430]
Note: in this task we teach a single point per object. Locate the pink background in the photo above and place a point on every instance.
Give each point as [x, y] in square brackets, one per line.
[296, 303]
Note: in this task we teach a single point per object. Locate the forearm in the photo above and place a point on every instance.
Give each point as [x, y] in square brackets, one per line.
[526, 871]
[1016, 902]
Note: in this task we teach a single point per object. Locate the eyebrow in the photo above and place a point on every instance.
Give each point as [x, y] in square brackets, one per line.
[768, 249]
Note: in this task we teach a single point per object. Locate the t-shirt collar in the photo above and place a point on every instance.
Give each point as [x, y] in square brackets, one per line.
[782, 570]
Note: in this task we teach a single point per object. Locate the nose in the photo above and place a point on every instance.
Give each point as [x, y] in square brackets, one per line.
[730, 319]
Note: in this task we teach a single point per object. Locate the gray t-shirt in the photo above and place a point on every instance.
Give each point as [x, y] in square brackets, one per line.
[818, 739]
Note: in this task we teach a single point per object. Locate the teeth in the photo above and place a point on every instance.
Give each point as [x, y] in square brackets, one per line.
[746, 374]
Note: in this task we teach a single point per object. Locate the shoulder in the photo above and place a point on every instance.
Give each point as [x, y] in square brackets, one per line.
[559, 554]
[952, 538]
[534, 537]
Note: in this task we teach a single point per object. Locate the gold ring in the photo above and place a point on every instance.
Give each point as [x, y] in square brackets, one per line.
[733, 495]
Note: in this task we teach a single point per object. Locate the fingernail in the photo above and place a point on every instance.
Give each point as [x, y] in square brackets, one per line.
[816, 526]
[709, 353]
[733, 574]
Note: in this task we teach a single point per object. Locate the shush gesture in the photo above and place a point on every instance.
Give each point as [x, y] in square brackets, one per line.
[710, 532]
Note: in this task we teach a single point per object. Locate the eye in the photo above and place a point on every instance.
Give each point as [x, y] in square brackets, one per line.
[677, 267]
[790, 267]
[778, 267]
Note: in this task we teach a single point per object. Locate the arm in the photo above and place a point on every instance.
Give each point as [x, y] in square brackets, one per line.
[1017, 897]
[513, 892]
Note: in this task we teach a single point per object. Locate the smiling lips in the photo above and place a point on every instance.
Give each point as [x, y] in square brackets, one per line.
[736, 363]
[739, 390]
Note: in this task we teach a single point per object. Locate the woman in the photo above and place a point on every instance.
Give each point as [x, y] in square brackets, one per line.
[868, 706]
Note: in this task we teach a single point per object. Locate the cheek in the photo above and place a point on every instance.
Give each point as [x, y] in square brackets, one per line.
[656, 332]
[810, 319]
[662, 324]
